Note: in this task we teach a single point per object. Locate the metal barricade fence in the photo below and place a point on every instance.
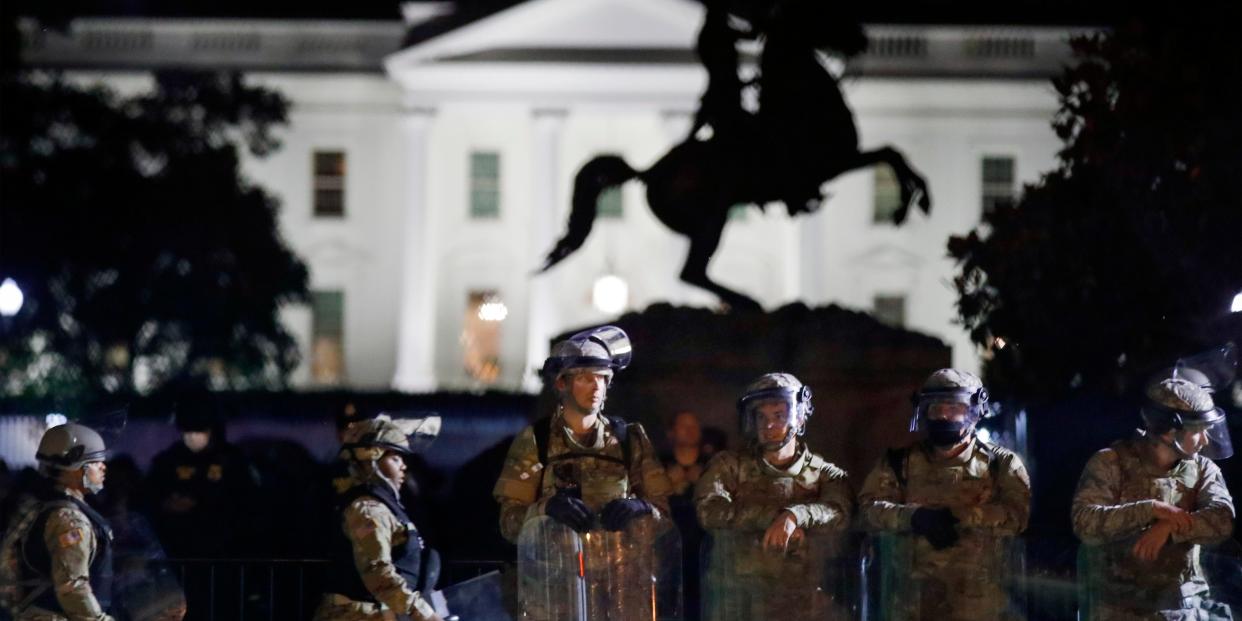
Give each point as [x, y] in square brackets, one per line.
[272, 589]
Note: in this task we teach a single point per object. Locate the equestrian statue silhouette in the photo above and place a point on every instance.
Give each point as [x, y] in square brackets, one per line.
[802, 135]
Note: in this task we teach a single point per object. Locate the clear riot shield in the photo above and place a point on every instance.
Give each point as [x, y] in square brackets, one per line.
[980, 577]
[743, 581]
[600, 575]
[1113, 585]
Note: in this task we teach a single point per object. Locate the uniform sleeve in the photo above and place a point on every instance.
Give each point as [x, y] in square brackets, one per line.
[880, 503]
[1212, 518]
[518, 486]
[370, 528]
[653, 485]
[1007, 512]
[714, 503]
[835, 505]
[1098, 515]
[70, 541]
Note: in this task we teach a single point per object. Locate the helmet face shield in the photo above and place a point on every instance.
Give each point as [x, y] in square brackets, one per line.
[771, 418]
[951, 405]
[607, 347]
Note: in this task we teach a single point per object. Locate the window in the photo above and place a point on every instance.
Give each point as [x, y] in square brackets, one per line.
[998, 184]
[887, 195]
[891, 310]
[327, 337]
[609, 203]
[738, 212]
[480, 335]
[484, 185]
[329, 184]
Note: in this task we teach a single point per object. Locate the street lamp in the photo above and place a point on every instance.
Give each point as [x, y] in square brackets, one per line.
[1236, 307]
[11, 298]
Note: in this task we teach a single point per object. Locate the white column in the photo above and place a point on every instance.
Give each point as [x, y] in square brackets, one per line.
[416, 329]
[542, 317]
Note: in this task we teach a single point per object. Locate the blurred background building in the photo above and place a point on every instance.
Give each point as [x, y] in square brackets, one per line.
[429, 160]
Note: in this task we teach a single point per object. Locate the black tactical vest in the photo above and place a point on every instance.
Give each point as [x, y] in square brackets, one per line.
[343, 577]
[38, 559]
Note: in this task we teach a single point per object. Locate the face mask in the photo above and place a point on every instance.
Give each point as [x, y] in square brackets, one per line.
[945, 433]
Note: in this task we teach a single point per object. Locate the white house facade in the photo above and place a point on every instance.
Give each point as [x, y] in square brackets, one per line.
[423, 185]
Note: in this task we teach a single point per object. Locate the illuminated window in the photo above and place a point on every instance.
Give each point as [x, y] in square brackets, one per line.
[484, 185]
[998, 185]
[327, 337]
[480, 335]
[886, 198]
[329, 184]
[891, 310]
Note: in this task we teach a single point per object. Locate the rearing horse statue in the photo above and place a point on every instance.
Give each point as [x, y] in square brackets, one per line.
[802, 136]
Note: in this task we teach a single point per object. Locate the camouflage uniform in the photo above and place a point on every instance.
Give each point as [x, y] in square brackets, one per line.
[374, 531]
[597, 467]
[1112, 508]
[992, 502]
[739, 496]
[525, 485]
[71, 542]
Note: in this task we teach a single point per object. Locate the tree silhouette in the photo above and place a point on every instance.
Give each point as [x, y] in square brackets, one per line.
[144, 254]
[1131, 250]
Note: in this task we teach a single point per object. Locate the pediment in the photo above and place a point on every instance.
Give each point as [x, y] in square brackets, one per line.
[536, 29]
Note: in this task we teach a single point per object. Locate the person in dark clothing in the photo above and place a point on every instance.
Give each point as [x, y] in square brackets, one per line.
[200, 487]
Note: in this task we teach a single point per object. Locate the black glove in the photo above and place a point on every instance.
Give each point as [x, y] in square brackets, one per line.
[618, 513]
[569, 511]
[935, 525]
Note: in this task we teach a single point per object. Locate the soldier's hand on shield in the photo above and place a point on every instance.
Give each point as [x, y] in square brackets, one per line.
[618, 513]
[938, 526]
[1178, 518]
[780, 535]
[569, 511]
[1148, 547]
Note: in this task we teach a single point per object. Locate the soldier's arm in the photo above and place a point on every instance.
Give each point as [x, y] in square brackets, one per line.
[881, 503]
[832, 511]
[70, 542]
[518, 486]
[653, 484]
[714, 503]
[1097, 514]
[1212, 518]
[1007, 512]
[370, 527]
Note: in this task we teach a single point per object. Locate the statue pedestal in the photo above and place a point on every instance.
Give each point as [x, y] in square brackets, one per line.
[862, 373]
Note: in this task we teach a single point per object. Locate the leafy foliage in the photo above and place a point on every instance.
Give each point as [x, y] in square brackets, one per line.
[144, 254]
[1130, 252]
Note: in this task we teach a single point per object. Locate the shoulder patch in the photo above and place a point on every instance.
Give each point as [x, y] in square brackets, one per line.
[70, 538]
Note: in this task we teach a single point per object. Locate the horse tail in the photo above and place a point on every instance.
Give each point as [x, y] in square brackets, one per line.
[597, 175]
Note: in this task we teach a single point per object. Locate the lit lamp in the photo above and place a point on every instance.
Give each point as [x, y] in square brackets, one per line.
[1236, 307]
[610, 294]
[493, 310]
[11, 298]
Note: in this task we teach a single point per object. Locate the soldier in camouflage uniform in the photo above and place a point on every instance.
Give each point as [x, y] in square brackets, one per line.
[946, 510]
[764, 505]
[57, 552]
[379, 568]
[1147, 503]
[578, 467]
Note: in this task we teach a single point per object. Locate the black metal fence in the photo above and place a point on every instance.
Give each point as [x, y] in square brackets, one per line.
[272, 589]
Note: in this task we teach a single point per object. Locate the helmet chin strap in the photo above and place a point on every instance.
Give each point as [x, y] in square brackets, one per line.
[772, 447]
[90, 486]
